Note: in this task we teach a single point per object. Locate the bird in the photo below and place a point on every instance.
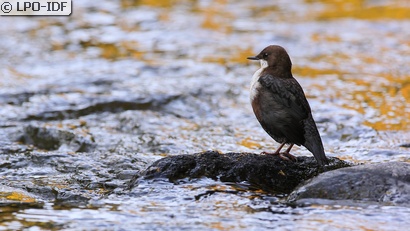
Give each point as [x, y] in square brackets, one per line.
[281, 107]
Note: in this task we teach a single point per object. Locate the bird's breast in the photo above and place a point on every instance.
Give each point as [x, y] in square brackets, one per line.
[255, 85]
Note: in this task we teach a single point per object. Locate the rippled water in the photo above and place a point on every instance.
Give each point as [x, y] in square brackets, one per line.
[134, 81]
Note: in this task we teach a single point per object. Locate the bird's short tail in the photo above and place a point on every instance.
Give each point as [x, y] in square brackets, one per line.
[318, 152]
[314, 144]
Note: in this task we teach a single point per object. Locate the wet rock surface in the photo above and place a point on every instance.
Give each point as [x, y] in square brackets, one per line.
[265, 172]
[384, 182]
[53, 138]
[111, 105]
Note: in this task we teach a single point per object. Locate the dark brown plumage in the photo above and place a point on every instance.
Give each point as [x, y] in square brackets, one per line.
[280, 105]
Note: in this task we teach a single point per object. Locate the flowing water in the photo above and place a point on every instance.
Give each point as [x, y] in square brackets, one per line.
[124, 83]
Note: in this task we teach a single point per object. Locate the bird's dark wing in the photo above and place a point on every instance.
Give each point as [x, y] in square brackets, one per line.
[289, 93]
[290, 107]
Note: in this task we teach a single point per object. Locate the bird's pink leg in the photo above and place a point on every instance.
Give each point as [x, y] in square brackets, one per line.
[284, 155]
[288, 155]
[277, 152]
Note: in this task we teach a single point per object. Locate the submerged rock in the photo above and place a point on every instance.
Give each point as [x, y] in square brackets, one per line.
[407, 145]
[107, 105]
[53, 138]
[266, 172]
[384, 182]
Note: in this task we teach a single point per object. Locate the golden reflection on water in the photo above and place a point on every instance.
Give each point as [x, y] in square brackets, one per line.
[388, 100]
[384, 93]
[216, 17]
[250, 143]
[18, 196]
[388, 95]
[231, 55]
[362, 9]
[154, 3]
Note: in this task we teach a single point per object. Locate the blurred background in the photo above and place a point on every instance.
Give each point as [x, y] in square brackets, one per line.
[120, 84]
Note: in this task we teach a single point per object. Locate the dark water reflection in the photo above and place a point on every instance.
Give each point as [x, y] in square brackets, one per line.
[129, 82]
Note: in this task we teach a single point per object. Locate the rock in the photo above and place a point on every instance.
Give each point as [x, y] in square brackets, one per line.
[266, 172]
[10, 195]
[109, 105]
[384, 182]
[53, 138]
[407, 145]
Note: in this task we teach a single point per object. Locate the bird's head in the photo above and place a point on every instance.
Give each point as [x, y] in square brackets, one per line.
[274, 56]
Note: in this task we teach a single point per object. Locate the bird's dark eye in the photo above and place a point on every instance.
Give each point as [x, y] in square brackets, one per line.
[265, 55]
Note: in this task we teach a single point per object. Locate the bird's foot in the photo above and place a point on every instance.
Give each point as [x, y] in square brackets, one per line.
[270, 153]
[283, 155]
[287, 156]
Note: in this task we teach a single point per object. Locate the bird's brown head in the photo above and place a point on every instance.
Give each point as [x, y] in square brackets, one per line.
[275, 58]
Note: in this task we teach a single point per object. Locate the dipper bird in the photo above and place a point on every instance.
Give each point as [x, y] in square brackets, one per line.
[281, 107]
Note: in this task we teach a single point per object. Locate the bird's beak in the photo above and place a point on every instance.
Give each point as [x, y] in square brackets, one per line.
[253, 58]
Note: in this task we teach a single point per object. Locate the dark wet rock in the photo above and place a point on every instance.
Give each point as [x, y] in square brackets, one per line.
[41, 191]
[405, 145]
[53, 138]
[384, 182]
[110, 105]
[67, 197]
[18, 98]
[265, 172]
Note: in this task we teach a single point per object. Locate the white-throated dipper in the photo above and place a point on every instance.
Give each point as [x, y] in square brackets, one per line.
[281, 107]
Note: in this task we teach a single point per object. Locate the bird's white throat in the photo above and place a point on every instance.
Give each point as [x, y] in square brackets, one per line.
[264, 63]
[254, 83]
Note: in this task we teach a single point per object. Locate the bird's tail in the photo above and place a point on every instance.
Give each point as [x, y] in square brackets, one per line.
[313, 142]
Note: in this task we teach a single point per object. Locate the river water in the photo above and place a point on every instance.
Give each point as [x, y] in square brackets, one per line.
[125, 83]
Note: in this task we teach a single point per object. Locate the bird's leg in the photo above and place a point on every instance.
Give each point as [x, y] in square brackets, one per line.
[287, 155]
[284, 155]
[277, 152]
